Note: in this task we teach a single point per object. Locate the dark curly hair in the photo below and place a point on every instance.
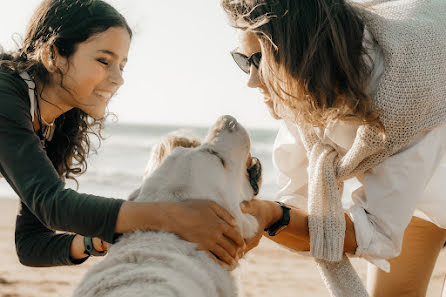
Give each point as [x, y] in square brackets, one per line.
[64, 24]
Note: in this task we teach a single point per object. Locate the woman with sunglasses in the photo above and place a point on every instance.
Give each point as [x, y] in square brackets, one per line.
[53, 94]
[360, 89]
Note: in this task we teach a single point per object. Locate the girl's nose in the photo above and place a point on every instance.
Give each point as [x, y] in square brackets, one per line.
[116, 76]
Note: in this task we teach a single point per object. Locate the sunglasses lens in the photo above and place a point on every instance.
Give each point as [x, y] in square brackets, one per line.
[241, 61]
[256, 59]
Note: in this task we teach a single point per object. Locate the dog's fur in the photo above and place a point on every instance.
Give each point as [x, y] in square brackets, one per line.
[162, 264]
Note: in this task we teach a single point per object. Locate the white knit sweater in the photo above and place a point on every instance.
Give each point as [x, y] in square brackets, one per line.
[411, 99]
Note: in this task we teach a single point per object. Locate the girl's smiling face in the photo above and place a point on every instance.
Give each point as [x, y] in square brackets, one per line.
[93, 74]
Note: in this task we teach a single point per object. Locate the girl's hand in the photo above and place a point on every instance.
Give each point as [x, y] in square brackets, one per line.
[78, 248]
[266, 212]
[211, 227]
[100, 245]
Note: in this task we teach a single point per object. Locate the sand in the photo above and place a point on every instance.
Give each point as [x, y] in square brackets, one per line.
[269, 270]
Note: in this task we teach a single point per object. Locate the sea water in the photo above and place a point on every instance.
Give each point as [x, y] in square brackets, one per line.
[117, 167]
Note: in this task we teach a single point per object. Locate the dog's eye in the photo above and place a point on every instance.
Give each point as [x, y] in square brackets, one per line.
[212, 152]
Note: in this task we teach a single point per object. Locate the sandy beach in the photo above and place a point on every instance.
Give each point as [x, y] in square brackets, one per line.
[269, 270]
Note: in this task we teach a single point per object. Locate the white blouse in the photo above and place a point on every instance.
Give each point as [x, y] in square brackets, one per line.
[383, 200]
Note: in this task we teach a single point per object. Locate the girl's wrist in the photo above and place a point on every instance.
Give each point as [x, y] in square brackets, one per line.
[167, 213]
[77, 248]
[144, 216]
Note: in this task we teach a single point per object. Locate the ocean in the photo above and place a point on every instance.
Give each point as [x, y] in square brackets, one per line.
[117, 167]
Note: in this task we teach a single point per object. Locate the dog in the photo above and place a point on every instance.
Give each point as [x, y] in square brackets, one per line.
[149, 263]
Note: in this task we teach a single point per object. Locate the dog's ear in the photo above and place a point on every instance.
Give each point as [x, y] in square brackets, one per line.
[255, 175]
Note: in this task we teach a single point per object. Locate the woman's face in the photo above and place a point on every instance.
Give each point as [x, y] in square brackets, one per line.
[248, 45]
[93, 74]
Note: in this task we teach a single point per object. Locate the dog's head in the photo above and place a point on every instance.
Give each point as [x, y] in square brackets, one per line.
[220, 169]
[229, 142]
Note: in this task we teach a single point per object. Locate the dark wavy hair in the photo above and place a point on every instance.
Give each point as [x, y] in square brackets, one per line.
[64, 24]
[313, 61]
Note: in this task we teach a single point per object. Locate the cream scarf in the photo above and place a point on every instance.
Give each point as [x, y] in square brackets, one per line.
[411, 98]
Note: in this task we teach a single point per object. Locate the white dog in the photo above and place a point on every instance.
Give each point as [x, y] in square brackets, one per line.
[162, 264]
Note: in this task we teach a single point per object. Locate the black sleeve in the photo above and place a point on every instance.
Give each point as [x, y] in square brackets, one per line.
[39, 246]
[28, 170]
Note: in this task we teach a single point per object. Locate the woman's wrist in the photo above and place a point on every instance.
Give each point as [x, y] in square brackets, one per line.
[77, 248]
[275, 212]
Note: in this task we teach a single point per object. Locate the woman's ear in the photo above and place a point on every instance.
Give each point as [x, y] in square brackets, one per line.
[51, 59]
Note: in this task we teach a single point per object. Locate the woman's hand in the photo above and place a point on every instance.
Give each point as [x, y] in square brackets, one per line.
[211, 227]
[266, 212]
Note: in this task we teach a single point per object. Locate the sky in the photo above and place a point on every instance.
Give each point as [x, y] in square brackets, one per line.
[179, 71]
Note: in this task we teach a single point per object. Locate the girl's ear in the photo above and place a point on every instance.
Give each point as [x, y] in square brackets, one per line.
[47, 58]
[51, 59]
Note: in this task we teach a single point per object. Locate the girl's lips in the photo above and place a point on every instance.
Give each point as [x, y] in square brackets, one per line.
[104, 95]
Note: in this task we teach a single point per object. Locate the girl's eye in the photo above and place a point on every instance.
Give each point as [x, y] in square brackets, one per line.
[102, 61]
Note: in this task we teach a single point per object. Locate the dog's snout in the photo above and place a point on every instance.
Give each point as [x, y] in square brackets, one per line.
[232, 125]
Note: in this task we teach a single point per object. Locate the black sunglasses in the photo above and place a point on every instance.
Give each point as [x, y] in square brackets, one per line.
[244, 62]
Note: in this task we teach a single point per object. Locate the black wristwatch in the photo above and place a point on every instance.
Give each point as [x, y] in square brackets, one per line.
[89, 248]
[281, 224]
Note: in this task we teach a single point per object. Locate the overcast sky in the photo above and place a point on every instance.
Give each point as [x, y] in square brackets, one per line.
[179, 70]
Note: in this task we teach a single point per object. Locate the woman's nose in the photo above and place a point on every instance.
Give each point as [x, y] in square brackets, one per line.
[254, 79]
[116, 76]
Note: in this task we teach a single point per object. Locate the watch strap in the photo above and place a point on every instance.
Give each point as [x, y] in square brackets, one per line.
[282, 223]
[89, 248]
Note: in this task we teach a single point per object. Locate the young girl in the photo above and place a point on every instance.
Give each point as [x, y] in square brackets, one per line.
[53, 94]
[361, 90]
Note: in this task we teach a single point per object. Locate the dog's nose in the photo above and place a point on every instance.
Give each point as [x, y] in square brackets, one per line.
[228, 123]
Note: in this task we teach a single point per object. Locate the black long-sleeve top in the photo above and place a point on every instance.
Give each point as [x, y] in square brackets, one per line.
[46, 205]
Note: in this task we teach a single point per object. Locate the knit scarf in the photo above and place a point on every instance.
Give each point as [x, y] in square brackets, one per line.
[410, 99]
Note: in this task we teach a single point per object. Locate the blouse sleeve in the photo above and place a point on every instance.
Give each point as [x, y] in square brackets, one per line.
[383, 207]
[31, 174]
[290, 162]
